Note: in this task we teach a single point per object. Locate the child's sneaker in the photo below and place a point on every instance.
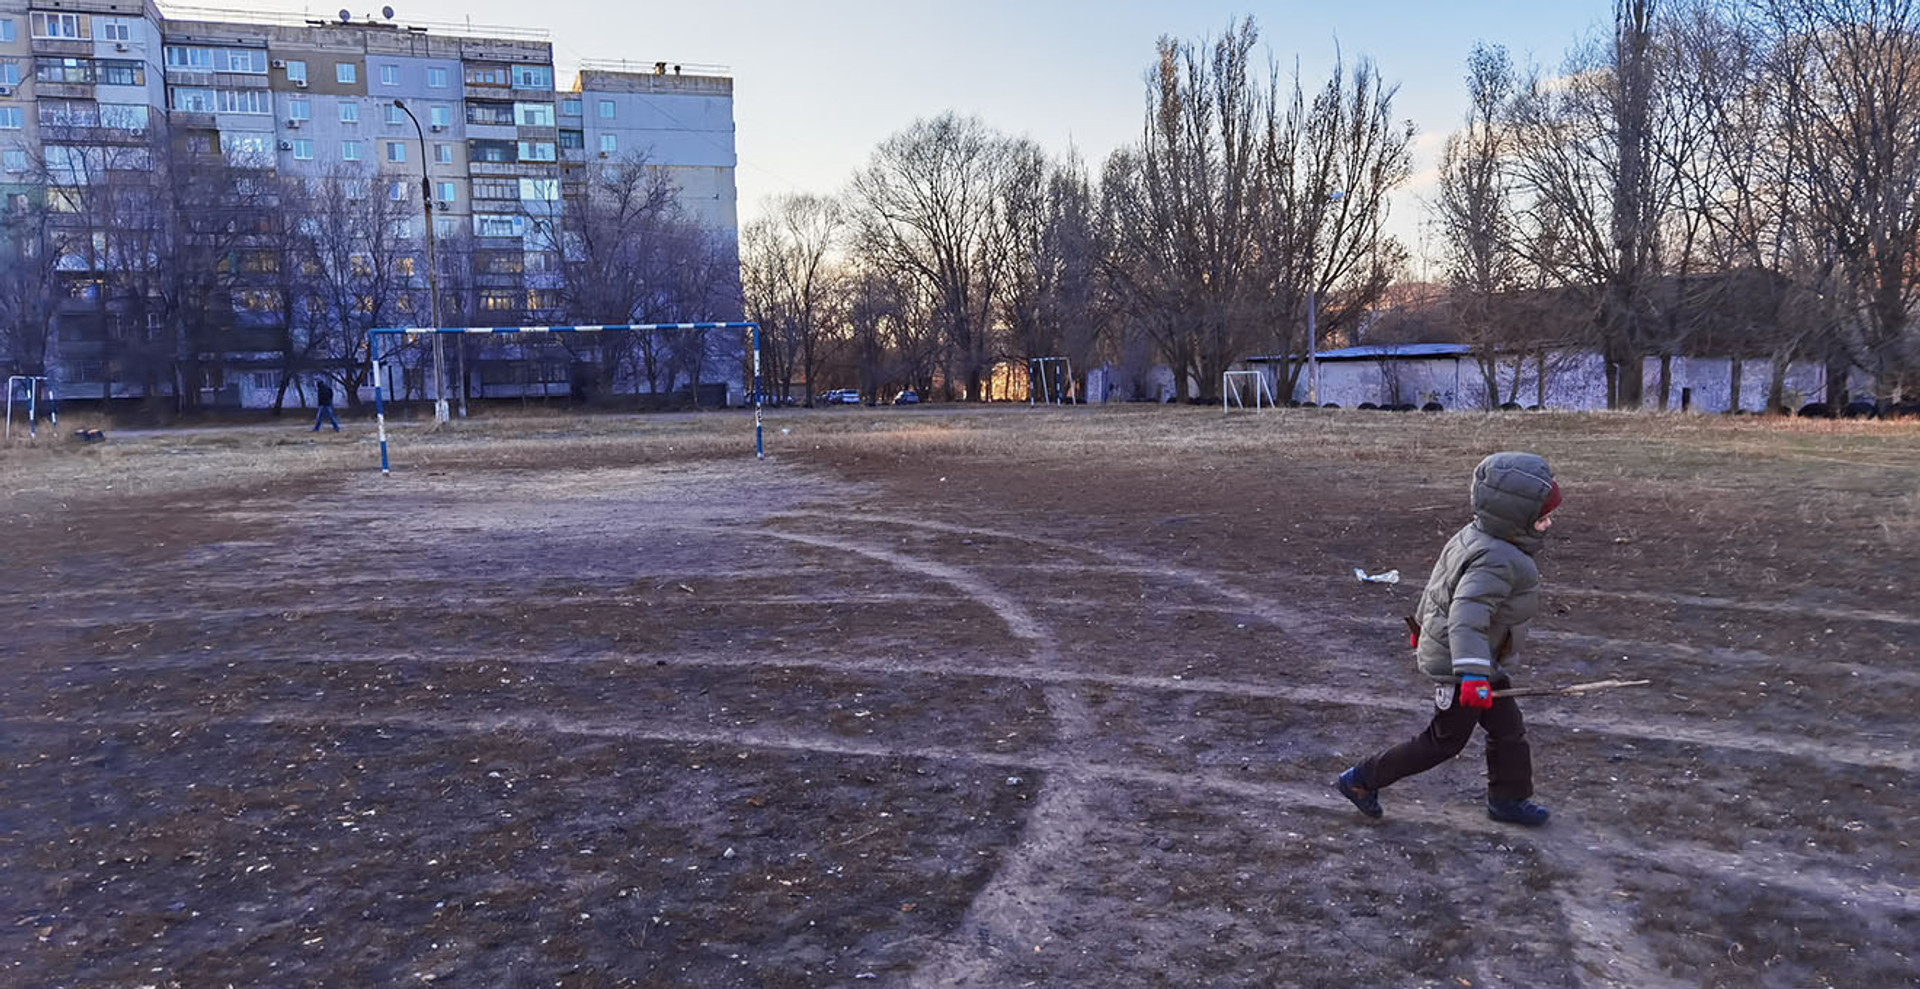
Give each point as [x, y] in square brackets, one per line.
[1366, 799]
[1525, 813]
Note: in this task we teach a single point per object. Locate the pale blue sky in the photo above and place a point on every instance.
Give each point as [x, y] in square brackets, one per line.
[818, 84]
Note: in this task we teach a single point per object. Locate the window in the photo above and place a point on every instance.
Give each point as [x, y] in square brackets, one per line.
[573, 139]
[389, 75]
[540, 190]
[403, 267]
[199, 144]
[440, 116]
[193, 100]
[490, 114]
[13, 160]
[11, 118]
[491, 152]
[397, 191]
[243, 101]
[244, 148]
[179, 57]
[570, 107]
[496, 300]
[349, 112]
[481, 75]
[436, 78]
[345, 72]
[496, 189]
[540, 262]
[396, 152]
[609, 144]
[532, 77]
[252, 61]
[445, 227]
[533, 114]
[299, 109]
[63, 70]
[296, 70]
[69, 113]
[494, 225]
[443, 154]
[115, 29]
[6, 29]
[536, 151]
[354, 189]
[59, 26]
[125, 116]
[444, 192]
[9, 73]
[121, 72]
[606, 109]
[349, 150]
[503, 264]
[302, 149]
[395, 115]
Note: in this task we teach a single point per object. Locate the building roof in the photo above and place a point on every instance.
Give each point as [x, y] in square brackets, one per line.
[1391, 351]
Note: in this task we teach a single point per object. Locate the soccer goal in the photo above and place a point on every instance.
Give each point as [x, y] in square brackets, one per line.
[1230, 390]
[34, 385]
[400, 334]
[1049, 381]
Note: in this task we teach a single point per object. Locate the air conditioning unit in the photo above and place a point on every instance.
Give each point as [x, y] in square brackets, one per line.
[603, 154]
[437, 128]
[293, 124]
[6, 90]
[120, 46]
[299, 84]
[286, 145]
[138, 132]
[279, 63]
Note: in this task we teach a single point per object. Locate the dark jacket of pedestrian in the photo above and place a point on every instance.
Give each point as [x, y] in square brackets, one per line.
[323, 393]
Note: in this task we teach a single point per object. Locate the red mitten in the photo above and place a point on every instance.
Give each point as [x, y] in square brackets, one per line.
[1474, 692]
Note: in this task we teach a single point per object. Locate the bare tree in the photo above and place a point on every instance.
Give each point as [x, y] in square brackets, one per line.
[929, 207]
[789, 280]
[1852, 73]
[1476, 226]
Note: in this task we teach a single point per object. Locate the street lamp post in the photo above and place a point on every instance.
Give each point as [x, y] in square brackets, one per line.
[433, 277]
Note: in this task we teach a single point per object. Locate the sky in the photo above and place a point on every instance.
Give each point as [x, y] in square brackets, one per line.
[819, 83]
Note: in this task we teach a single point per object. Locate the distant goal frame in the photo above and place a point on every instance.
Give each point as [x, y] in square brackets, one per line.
[752, 331]
[1229, 394]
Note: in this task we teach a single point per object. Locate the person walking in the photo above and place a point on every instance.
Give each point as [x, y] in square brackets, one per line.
[323, 397]
[1483, 590]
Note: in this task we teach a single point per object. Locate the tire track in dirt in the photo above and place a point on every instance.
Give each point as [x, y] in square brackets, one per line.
[1015, 902]
[1597, 924]
[1563, 843]
[1891, 756]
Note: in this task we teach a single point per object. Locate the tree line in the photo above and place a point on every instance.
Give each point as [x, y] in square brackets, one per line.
[1734, 177]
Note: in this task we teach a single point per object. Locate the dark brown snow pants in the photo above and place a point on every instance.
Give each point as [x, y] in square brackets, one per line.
[1509, 760]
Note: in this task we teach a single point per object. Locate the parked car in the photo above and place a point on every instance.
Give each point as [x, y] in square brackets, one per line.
[841, 396]
[908, 397]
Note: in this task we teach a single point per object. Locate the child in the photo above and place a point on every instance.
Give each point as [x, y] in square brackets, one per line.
[1484, 587]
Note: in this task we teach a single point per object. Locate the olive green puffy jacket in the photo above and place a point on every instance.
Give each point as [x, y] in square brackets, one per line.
[1485, 585]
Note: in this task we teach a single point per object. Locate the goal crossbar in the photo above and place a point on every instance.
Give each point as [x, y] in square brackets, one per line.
[752, 330]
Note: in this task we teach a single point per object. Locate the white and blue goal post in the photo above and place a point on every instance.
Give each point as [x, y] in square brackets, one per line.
[752, 331]
[35, 384]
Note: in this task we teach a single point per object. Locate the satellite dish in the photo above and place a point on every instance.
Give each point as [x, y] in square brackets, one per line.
[386, 12]
[346, 16]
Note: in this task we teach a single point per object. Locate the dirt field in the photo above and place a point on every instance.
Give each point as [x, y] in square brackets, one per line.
[943, 698]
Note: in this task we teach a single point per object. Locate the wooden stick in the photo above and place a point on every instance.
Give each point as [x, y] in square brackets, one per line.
[1577, 688]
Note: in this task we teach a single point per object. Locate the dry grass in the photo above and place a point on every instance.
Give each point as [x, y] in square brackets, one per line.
[1857, 459]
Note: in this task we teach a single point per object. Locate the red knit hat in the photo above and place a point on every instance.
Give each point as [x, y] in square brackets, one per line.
[1552, 502]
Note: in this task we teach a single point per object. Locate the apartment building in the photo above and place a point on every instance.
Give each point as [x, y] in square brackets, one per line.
[94, 89]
